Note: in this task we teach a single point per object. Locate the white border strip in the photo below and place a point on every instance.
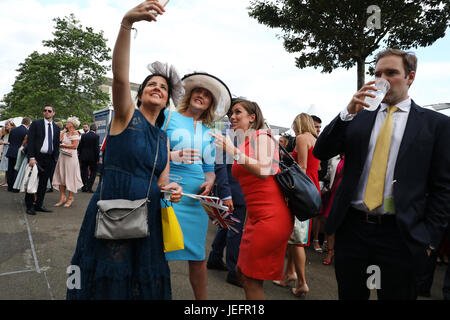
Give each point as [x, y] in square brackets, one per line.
[36, 262]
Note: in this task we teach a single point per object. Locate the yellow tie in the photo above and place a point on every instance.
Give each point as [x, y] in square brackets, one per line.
[373, 196]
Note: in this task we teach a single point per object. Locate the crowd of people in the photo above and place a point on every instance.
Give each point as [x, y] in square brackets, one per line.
[385, 201]
[62, 163]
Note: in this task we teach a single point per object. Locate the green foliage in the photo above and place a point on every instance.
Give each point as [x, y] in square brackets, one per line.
[68, 77]
[332, 34]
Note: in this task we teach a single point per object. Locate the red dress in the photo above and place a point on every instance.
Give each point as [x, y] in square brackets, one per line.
[269, 222]
[312, 166]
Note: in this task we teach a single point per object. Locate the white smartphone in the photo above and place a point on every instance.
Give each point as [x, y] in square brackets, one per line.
[162, 3]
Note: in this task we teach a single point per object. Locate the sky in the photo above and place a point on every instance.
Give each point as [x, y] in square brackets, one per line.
[217, 37]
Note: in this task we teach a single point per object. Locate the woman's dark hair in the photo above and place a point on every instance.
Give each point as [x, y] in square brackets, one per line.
[291, 142]
[161, 117]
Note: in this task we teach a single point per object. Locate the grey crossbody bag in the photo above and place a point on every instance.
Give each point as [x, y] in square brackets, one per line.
[121, 218]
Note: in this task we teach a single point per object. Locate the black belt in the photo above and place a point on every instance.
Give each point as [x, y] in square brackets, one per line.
[372, 218]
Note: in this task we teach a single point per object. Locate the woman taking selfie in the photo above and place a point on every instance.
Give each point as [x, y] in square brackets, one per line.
[131, 268]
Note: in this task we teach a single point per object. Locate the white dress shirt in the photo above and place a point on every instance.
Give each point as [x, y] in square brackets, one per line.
[44, 148]
[400, 118]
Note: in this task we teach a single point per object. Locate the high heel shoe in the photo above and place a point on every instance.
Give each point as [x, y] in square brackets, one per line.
[301, 291]
[325, 246]
[68, 203]
[285, 283]
[60, 202]
[317, 249]
[327, 261]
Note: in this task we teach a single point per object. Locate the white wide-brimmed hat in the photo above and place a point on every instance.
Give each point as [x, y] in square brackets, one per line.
[218, 89]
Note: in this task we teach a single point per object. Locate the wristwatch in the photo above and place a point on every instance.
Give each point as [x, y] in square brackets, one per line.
[237, 156]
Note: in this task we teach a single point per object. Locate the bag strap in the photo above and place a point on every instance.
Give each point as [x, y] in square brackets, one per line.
[103, 161]
[154, 166]
[153, 170]
[294, 162]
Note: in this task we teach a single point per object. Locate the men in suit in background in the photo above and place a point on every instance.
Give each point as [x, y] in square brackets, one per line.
[393, 203]
[230, 192]
[88, 154]
[85, 128]
[43, 151]
[16, 137]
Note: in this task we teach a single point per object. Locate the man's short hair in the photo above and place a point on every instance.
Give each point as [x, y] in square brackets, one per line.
[26, 121]
[409, 58]
[93, 127]
[316, 119]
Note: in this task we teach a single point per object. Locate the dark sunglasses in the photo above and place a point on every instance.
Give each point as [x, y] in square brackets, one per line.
[47, 110]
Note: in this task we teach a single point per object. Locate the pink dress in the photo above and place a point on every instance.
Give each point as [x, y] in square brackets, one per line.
[67, 171]
[327, 198]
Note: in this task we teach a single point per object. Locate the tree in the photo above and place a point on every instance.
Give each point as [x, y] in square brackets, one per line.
[333, 34]
[68, 77]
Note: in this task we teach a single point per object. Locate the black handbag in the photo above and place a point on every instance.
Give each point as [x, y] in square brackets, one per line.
[302, 196]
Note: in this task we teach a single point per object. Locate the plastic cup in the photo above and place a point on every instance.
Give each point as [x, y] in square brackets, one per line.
[383, 87]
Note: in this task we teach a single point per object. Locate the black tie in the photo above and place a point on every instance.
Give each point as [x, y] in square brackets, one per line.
[50, 140]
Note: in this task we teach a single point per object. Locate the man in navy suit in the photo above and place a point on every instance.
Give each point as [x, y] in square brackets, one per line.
[16, 137]
[230, 192]
[385, 244]
[88, 153]
[43, 151]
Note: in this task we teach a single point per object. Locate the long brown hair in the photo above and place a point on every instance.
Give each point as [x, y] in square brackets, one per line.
[304, 123]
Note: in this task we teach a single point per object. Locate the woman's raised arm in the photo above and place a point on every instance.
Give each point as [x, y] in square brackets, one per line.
[121, 94]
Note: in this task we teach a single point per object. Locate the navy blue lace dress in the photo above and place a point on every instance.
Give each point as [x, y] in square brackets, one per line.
[134, 268]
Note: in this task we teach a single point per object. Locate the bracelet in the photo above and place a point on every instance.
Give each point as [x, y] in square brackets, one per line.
[130, 28]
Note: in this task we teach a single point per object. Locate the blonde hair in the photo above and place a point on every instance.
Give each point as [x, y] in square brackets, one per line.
[207, 116]
[74, 121]
[304, 123]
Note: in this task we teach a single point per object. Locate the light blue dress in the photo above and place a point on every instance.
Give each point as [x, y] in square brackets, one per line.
[4, 159]
[190, 213]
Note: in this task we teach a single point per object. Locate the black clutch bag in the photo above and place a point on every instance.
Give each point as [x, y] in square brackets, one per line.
[301, 194]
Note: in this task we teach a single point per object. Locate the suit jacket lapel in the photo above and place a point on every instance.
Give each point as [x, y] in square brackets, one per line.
[413, 126]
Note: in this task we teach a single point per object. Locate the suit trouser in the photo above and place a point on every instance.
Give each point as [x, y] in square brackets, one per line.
[88, 180]
[11, 173]
[230, 239]
[44, 163]
[368, 254]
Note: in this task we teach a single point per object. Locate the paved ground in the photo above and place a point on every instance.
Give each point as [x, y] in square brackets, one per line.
[35, 252]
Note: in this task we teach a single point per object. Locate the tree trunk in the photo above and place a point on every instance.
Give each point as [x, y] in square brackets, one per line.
[361, 72]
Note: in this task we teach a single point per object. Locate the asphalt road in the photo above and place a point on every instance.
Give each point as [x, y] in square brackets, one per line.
[35, 252]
